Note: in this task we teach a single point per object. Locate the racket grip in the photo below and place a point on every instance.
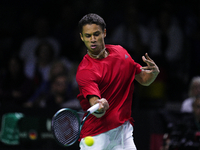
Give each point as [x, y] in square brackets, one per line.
[93, 108]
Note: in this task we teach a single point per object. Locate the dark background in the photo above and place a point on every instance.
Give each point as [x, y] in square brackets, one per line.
[16, 24]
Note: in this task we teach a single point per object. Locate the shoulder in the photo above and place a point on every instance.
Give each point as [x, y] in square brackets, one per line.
[188, 101]
[86, 69]
[187, 105]
[85, 64]
[86, 76]
[114, 47]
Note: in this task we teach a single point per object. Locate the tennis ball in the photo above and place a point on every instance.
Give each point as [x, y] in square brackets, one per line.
[89, 141]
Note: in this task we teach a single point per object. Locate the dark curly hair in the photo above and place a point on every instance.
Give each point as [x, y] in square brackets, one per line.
[50, 47]
[91, 19]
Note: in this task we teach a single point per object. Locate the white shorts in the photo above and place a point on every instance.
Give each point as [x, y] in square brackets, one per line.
[120, 138]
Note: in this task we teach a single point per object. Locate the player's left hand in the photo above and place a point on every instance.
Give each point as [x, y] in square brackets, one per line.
[151, 65]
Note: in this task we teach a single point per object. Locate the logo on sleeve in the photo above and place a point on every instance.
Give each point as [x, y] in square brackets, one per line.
[126, 56]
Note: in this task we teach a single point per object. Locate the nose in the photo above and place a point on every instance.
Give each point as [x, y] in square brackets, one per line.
[93, 39]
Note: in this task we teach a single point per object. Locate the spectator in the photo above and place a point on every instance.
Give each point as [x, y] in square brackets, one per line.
[166, 47]
[57, 67]
[64, 30]
[166, 38]
[41, 28]
[15, 87]
[59, 94]
[185, 135]
[194, 90]
[39, 71]
[131, 34]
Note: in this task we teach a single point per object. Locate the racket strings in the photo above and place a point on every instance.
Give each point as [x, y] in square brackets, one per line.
[66, 127]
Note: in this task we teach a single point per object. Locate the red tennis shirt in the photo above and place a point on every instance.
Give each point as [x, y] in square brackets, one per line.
[110, 78]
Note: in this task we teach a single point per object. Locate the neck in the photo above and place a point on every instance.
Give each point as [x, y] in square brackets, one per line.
[96, 56]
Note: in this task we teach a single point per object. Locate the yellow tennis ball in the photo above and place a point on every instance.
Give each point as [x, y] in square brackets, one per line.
[89, 141]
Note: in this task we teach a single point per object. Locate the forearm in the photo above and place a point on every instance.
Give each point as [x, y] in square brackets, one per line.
[149, 78]
[92, 99]
[145, 78]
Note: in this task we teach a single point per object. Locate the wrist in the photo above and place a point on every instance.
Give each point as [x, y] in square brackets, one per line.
[98, 112]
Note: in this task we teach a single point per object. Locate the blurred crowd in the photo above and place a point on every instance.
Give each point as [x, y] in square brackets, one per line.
[182, 128]
[40, 47]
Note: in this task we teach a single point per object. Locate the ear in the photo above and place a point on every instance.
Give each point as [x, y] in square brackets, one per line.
[81, 36]
[104, 33]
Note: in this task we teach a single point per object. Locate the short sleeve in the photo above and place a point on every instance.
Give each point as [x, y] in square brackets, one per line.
[88, 83]
[138, 68]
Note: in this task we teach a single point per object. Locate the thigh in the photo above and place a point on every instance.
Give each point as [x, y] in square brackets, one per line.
[101, 142]
[126, 141]
[120, 138]
[129, 143]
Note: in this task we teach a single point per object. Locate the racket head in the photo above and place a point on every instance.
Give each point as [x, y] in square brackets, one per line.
[66, 126]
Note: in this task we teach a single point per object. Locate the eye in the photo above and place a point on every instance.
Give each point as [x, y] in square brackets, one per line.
[87, 35]
[96, 34]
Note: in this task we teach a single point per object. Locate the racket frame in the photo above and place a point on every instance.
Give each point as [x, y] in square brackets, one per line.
[88, 112]
[52, 125]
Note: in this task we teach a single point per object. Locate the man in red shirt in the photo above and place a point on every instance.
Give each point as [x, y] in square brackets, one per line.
[105, 76]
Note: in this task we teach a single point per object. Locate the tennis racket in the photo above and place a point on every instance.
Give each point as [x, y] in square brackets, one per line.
[66, 125]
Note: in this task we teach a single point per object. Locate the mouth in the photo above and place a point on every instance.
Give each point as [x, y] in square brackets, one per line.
[93, 46]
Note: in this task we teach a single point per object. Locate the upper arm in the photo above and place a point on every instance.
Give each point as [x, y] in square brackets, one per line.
[88, 83]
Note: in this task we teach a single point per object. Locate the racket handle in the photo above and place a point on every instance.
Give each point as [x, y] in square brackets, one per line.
[93, 108]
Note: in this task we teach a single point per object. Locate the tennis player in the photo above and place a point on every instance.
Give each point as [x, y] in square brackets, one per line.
[105, 76]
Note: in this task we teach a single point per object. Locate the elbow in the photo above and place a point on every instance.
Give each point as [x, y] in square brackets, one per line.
[145, 84]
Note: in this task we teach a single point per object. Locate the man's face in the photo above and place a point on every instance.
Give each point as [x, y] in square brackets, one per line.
[196, 88]
[93, 37]
[60, 85]
[196, 108]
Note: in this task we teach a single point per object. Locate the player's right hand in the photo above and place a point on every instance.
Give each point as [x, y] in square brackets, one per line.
[103, 104]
